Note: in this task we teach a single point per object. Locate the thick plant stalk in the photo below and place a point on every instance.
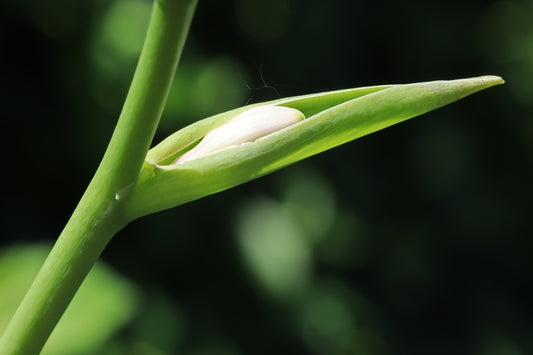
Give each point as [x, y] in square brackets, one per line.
[98, 216]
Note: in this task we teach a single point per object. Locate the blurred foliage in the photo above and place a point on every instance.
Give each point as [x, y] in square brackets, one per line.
[413, 240]
[104, 303]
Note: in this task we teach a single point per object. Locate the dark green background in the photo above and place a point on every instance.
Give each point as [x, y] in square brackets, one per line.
[427, 249]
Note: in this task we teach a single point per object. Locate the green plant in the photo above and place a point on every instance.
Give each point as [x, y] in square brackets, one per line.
[132, 181]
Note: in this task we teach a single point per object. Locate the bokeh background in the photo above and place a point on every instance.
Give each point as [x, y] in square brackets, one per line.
[413, 240]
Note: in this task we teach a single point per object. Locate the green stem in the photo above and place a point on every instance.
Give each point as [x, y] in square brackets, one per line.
[148, 93]
[98, 216]
[79, 245]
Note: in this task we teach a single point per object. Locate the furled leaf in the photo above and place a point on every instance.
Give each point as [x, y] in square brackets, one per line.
[331, 119]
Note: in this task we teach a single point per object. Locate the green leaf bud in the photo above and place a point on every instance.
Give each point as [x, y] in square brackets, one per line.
[217, 153]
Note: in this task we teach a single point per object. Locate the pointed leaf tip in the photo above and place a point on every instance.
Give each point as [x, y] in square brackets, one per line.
[487, 81]
[494, 79]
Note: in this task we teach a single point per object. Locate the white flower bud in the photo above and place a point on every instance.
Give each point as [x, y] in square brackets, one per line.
[247, 127]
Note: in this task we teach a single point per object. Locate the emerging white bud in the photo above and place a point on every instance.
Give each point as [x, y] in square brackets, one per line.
[247, 127]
